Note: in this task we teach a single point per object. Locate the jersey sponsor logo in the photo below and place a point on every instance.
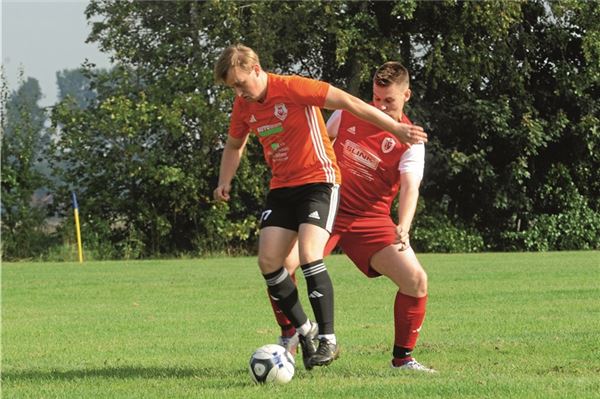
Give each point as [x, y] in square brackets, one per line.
[315, 294]
[281, 111]
[361, 155]
[252, 119]
[268, 130]
[351, 129]
[388, 145]
[314, 215]
[265, 215]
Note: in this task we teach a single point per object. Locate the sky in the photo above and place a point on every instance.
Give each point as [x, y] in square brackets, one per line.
[45, 37]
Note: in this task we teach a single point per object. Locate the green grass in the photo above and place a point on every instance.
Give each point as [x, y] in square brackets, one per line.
[498, 326]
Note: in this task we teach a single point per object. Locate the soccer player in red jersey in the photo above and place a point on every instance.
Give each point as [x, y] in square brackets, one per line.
[375, 168]
[283, 112]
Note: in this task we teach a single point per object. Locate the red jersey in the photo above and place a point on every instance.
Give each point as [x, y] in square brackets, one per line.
[369, 160]
[290, 127]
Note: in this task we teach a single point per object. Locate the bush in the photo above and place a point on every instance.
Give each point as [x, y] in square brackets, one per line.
[439, 234]
[577, 228]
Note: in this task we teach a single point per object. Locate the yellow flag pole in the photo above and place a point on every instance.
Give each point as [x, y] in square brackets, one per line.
[77, 229]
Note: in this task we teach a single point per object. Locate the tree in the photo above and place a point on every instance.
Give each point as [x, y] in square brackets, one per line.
[507, 92]
[75, 83]
[514, 98]
[23, 147]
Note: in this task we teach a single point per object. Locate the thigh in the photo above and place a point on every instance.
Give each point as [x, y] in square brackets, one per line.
[317, 204]
[311, 242]
[332, 242]
[363, 237]
[279, 210]
[274, 245]
[292, 260]
[403, 268]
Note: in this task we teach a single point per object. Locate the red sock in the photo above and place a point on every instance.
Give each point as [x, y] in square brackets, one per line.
[287, 329]
[409, 313]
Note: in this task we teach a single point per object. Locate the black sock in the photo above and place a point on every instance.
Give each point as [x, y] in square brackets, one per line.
[401, 353]
[320, 293]
[283, 290]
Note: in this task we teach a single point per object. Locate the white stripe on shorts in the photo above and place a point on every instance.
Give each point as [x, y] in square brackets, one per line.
[333, 205]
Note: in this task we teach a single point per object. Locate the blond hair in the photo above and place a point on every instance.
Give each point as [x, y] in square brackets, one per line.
[234, 55]
[391, 72]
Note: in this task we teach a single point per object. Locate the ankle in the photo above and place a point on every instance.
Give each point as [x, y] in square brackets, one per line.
[288, 331]
[329, 337]
[400, 361]
[304, 328]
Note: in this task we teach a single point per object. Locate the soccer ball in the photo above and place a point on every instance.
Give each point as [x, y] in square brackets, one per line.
[272, 364]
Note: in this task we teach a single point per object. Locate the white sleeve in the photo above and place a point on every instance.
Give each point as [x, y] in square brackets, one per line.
[413, 160]
[333, 124]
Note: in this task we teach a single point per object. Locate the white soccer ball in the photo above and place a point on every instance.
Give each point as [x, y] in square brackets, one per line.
[272, 364]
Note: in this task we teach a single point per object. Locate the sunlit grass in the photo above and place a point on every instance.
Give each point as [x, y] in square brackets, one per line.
[498, 326]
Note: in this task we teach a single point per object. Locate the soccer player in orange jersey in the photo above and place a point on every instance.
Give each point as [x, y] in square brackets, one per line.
[283, 112]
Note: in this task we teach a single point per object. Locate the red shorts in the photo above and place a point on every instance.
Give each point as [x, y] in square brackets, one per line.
[361, 237]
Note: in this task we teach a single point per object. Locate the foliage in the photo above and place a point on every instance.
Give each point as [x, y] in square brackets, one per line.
[507, 92]
[513, 97]
[25, 203]
[436, 232]
[568, 222]
[75, 83]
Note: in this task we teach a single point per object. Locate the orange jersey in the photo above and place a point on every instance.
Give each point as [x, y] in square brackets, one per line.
[290, 127]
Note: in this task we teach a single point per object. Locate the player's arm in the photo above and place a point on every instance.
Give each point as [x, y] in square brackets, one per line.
[407, 204]
[230, 161]
[411, 168]
[339, 99]
[333, 124]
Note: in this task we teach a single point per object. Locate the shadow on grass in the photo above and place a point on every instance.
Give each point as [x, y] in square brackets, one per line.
[124, 372]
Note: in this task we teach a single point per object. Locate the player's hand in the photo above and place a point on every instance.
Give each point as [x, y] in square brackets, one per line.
[411, 134]
[221, 193]
[402, 238]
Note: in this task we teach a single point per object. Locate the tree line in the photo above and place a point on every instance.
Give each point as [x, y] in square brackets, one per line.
[507, 92]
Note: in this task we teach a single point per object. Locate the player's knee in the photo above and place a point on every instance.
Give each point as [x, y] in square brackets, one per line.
[308, 254]
[421, 283]
[268, 264]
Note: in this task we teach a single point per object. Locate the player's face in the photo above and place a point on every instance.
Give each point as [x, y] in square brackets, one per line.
[391, 99]
[247, 84]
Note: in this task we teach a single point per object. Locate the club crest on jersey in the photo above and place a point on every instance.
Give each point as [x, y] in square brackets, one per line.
[281, 111]
[388, 145]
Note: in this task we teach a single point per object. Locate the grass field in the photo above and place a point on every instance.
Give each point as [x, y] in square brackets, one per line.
[498, 326]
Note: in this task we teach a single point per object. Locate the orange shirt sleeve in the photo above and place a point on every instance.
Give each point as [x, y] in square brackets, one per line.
[238, 127]
[307, 91]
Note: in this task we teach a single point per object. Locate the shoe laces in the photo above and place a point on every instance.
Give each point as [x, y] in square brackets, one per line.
[325, 347]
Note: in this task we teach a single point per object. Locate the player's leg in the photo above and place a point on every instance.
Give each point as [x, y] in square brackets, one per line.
[278, 235]
[316, 217]
[312, 240]
[404, 269]
[288, 338]
[273, 246]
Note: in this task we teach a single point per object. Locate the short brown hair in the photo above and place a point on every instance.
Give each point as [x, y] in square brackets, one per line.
[234, 55]
[391, 72]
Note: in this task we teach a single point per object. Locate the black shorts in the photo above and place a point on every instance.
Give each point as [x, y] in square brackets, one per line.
[289, 207]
